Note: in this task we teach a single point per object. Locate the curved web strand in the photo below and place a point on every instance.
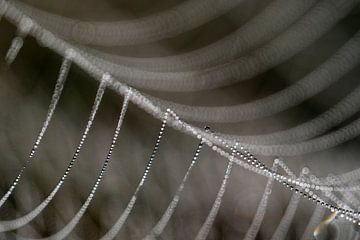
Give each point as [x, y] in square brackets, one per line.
[162, 223]
[65, 66]
[320, 143]
[270, 22]
[260, 212]
[346, 58]
[60, 46]
[341, 111]
[326, 14]
[111, 234]
[181, 18]
[8, 225]
[284, 225]
[63, 233]
[315, 220]
[205, 228]
[324, 142]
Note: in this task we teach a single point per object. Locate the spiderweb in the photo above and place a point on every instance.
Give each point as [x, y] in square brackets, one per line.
[220, 64]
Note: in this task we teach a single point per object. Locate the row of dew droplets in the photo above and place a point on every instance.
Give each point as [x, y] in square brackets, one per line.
[64, 70]
[165, 218]
[21, 221]
[261, 210]
[111, 234]
[205, 228]
[64, 232]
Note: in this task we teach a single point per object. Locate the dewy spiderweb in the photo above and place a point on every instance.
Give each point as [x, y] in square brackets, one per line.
[106, 71]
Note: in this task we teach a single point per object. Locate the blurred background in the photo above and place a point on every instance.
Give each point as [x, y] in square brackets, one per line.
[25, 91]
